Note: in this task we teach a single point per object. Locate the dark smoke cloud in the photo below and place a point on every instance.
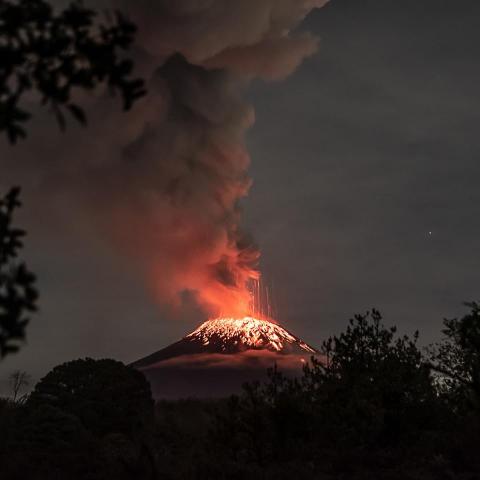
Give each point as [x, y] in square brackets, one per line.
[253, 37]
[164, 182]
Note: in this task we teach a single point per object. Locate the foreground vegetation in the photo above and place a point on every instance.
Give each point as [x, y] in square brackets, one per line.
[376, 407]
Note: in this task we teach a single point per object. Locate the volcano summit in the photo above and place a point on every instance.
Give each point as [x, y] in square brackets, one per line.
[222, 354]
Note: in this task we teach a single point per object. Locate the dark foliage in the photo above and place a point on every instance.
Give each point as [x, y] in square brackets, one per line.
[457, 363]
[457, 359]
[382, 383]
[49, 443]
[17, 284]
[104, 395]
[52, 53]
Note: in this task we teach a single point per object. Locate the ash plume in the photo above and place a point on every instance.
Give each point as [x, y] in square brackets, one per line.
[164, 182]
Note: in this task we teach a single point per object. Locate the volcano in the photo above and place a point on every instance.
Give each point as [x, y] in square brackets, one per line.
[222, 354]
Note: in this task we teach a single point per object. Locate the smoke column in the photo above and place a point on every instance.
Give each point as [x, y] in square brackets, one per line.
[164, 182]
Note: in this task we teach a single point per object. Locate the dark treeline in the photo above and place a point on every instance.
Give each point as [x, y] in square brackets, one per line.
[376, 406]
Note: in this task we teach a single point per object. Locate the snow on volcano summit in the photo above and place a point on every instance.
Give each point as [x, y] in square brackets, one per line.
[230, 335]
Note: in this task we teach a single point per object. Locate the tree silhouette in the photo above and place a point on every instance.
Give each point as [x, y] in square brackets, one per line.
[371, 384]
[17, 284]
[52, 53]
[457, 359]
[105, 395]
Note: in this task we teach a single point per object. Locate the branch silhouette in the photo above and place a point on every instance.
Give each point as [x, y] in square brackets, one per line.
[51, 53]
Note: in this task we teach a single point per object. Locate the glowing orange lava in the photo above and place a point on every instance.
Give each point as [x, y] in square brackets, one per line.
[250, 298]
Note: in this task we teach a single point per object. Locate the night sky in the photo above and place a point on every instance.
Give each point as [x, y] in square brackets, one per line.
[365, 169]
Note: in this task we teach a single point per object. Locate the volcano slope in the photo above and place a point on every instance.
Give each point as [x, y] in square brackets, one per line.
[222, 354]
